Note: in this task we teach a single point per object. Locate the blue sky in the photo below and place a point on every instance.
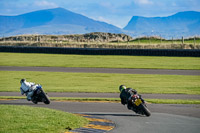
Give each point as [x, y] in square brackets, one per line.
[116, 12]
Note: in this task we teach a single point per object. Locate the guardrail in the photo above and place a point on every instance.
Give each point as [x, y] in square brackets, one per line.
[101, 51]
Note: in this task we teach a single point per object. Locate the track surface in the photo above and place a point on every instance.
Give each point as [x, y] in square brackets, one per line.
[165, 118]
[102, 70]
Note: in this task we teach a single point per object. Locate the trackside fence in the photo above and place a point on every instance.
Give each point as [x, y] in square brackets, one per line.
[101, 51]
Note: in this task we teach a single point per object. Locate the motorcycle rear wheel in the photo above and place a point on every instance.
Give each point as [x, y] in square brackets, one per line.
[35, 102]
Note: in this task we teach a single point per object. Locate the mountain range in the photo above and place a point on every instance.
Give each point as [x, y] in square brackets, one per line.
[61, 21]
[180, 24]
[52, 21]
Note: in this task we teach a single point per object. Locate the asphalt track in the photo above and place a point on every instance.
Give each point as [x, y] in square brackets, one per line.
[102, 70]
[165, 118]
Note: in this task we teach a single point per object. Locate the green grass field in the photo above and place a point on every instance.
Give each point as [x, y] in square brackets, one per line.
[25, 119]
[58, 60]
[99, 82]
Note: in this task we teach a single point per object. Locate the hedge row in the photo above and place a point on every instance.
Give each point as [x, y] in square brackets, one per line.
[101, 51]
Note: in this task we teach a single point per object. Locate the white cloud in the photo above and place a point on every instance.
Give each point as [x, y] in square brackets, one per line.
[143, 2]
[45, 4]
[100, 18]
[114, 21]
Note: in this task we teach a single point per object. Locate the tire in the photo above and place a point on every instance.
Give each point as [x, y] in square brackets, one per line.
[145, 110]
[35, 102]
[45, 98]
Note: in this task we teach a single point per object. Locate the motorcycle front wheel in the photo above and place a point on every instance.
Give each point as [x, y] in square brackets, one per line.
[47, 101]
[45, 98]
[145, 110]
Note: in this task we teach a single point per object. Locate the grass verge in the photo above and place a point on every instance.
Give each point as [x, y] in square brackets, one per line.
[79, 99]
[37, 120]
[101, 82]
[58, 60]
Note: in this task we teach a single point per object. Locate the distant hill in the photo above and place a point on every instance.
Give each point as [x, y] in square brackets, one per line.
[59, 21]
[52, 21]
[88, 37]
[180, 24]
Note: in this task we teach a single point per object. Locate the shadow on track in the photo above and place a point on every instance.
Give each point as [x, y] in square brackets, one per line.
[113, 114]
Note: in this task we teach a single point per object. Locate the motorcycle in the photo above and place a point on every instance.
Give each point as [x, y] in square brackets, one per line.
[139, 106]
[40, 96]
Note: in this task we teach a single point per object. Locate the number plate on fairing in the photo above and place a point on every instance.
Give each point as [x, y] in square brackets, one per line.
[138, 102]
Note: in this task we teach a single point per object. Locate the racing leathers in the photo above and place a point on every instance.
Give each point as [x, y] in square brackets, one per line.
[126, 95]
[28, 88]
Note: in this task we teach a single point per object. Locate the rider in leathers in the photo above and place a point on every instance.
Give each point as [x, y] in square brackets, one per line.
[125, 95]
[27, 88]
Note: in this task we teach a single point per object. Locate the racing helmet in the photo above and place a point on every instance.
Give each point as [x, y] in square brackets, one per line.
[122, 87]
[22, 80]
